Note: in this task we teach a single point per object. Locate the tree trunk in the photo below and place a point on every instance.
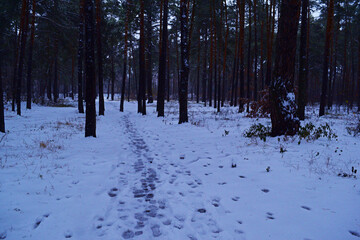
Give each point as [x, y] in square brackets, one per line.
[358, 91]
[149, 46]
[2, 121]
[56, 89]
[29, 73]
[125, 56]
[204, 75]
[303, 75]
[282, 97]
[162, 61]
[241, 4]
[142, 70]
[23, 27]
[329, 31]
[100, 58]
[198, 71]
[250, 63]
[255, 54]
[183, 90]
[16, 60]
[80, 58]
[112, 78]
[90, 124]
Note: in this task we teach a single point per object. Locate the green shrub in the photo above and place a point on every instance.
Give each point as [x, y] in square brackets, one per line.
[310, 133]
[258, 130]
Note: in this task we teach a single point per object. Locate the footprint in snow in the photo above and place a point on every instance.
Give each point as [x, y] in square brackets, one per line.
[356, 234]
[216, 202]
[113, 192]
[236, 198]
[270, 216]
[3, 235]
[68, 234]
[156, 230]
[128, 234]
[306, 208]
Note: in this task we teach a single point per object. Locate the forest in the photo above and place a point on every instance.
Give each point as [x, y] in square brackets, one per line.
[203, 119]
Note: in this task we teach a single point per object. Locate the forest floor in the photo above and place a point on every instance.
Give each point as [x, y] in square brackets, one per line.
[145, 177]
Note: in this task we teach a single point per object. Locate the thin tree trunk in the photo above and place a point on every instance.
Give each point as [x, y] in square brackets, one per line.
[149, 65]
[303, 78]
[72, 76]
[162, 61]
[23, 27]
[198, 71]
[80, 58]
[125, 56]
[183, 91]
[329, 33]
[90, 124]
[56, 89]
[100, 58]
[112, 78]
[241, 4]
[29, 73]
[16, 60]
[2, 121]
[250, 63]
[255, 54]
[142, 70]
[204, 75]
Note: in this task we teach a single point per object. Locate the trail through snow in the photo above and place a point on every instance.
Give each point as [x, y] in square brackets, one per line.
[145, 177]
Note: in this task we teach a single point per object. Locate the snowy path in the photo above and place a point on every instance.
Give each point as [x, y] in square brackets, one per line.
[145, 177]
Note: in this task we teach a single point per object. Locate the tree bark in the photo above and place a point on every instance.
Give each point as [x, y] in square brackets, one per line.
[23, 27]
[80, 57]
[282, 97]
[90, 124]
[2, 118]
[303, 74]
[241, 4]
[142, 70]
[100, 58]
[183, 90]
[329, 33]
[162, 61]
[125, 56]
[29, 73]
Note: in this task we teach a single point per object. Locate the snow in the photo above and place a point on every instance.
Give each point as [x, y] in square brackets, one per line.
[145, 177]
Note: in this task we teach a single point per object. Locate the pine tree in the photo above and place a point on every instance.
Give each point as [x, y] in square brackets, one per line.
[142, 71]
[329, 27]
[183, 86]
[162, 60]
[2, 121]
[23, 30]
[282, 97]
[90, 124]
[30, 55]
[303, 74]
[125, 56]
[80, 57]
[99, 58]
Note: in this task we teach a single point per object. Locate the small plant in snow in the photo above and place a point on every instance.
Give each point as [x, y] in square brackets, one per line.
[349, 175]
[282, 149]
[268, 169]
[310, 133]
[258, 130]
[354, 131]
[226, 133]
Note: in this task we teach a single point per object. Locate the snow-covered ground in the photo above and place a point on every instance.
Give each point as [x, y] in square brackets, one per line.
[145, 177]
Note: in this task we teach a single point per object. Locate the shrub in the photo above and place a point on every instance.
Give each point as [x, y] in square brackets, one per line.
[310, 133]
[258, 130]
[354, 131]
